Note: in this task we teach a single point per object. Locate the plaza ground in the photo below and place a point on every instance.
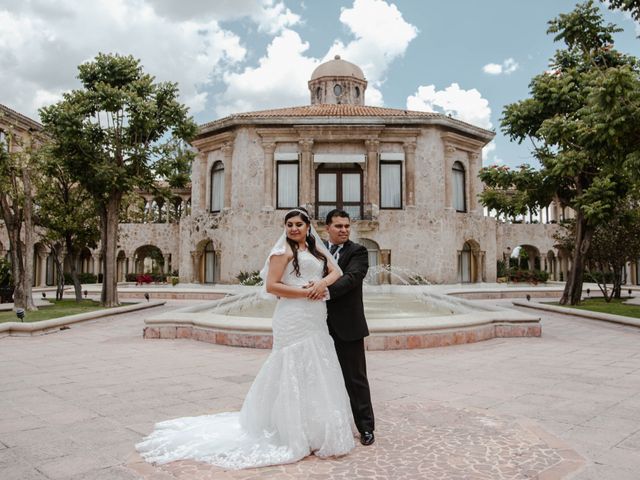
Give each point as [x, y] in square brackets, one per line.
[566, 405]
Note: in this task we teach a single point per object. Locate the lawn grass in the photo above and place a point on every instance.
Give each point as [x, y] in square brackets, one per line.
[615, 307]
[60, 308]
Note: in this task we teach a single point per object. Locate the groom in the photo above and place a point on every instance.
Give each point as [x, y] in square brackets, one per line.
[347, 324]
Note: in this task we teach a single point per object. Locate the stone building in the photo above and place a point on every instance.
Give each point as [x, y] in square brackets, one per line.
[408, 179]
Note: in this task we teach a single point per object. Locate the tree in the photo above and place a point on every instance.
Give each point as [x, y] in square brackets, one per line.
[515, 192]
[109, 134]
[18, 167]
[630, 6]
[68, 215]
[612, 246]
[583, 119]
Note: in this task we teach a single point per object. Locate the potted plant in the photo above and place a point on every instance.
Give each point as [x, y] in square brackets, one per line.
[6, 282]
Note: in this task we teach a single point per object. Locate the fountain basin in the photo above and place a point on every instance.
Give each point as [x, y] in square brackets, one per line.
[446, 321]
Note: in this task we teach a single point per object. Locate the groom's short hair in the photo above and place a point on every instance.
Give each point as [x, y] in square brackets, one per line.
[336, 212]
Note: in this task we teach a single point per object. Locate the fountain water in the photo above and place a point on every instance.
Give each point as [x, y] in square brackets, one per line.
[401, 315]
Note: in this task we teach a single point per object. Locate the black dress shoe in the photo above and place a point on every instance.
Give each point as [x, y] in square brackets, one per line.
[367, 438]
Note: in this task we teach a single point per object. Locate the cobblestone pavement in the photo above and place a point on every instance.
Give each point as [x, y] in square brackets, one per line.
[73, 404]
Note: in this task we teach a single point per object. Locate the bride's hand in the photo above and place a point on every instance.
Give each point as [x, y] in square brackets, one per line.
[316, 290]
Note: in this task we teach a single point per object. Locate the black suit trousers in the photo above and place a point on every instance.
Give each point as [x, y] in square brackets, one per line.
[354, 370]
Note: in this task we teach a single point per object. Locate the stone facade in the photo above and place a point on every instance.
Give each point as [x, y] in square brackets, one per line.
[434, 228]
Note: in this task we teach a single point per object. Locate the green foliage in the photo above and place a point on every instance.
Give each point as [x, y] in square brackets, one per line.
[530, 276]
[630, 6]
[114, 135]
[6, 277]
[83, 277]
[501, 268]
[111, 133]
[175, 281]
[249, 278]
[583, 119]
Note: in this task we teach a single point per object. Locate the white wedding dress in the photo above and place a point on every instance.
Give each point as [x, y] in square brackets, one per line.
[297, 404]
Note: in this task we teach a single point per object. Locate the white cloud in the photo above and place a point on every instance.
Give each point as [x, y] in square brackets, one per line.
[271, 17]
[39, 52]
[280, 79]
[465, 105]
[381, 36]
[507, 67]
[380, 33]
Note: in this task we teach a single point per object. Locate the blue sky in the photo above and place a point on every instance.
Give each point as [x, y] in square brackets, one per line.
[469, 58]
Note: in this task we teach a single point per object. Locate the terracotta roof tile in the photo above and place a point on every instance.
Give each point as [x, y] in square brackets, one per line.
[323, 112]
[334, 110]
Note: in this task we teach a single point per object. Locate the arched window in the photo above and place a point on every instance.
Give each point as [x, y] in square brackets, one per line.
[459, 197]
[217, 187]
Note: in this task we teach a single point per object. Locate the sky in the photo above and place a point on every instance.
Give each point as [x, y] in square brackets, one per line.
[466, 58]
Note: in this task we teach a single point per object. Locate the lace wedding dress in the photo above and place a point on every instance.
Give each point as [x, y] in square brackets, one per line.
[297, 404]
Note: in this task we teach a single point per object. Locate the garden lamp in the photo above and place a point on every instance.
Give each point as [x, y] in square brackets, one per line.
[528, 297]
[86, 292]
[20, 314]
[146, 295]
[588, 292]
[630, 292]
[44, 295]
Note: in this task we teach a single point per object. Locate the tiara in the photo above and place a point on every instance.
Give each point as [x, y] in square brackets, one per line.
[302, 212]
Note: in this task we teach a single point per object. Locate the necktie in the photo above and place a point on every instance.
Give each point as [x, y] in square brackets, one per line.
[333, 250]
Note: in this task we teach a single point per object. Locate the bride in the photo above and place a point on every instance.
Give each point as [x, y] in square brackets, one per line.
[297, 404]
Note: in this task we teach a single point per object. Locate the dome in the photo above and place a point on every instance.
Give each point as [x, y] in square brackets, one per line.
[337, 68]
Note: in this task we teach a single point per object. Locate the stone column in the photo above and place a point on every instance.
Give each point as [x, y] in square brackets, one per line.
[306, 173]
[473, 180]
[96, 264]
[448, 163]
[43, 269]
[372, 176]
[227, 154]
[167, 260]
[195, 261]
[269, 165]
[410, 175]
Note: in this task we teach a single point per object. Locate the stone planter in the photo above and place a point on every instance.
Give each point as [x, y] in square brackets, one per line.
[6, 294]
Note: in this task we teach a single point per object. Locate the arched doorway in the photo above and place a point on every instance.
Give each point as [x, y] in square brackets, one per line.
[148, 259]
[464, 264]
[471, 263]
[375, 275]
[210, 265]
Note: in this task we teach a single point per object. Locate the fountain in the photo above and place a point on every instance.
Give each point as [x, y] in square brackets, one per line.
[405, 315]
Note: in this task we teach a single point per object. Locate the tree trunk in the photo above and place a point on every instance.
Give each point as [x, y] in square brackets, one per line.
[573, 288]
[73, 270]
[28, 240]
[59, 259]
[109, 218]
[17, 267]
[616, 291]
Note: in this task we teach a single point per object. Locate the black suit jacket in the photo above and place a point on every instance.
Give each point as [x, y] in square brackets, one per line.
[345, 309]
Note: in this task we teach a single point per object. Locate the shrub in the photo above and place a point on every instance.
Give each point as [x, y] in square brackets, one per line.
[530, 276]
[83, 277]
[144, 278]
[501, 268]
[131, 277]
[6, 277]
[175, 280]
[249, 278]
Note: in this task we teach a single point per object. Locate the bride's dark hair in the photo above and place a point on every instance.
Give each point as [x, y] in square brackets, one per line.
[310, 241]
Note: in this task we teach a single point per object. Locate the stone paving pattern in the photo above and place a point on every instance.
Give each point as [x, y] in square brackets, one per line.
[417, 441]
[73, 403]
